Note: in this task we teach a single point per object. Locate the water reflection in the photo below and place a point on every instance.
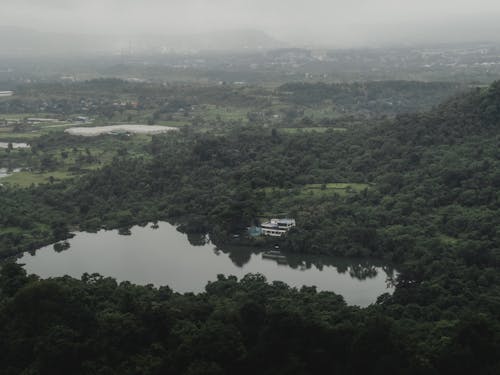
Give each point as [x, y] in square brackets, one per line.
[198, 239]
[361, 269]
[239, 255]
[61, 246]
[164, 256]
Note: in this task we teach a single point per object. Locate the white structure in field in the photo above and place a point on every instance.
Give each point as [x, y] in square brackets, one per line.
[120, 129]
[277, 227]
[6, 93]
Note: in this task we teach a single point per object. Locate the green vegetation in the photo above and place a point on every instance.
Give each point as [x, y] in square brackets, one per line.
[283, 201]
[328, 188]
[220, 183]
[319, 129]
[214, 112]
[26, 179]
[208, 107]
[94, 325]
[420, 190]
[382, 97]
[57, 156]
[8, 136]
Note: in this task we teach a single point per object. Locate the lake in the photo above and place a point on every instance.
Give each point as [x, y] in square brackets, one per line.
[164, 256]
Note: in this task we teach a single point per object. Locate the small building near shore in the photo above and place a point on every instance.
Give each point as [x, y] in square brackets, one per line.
[277, 227]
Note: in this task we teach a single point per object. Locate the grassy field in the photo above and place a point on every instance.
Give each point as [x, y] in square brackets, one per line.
[322, 112]
[319, 129]
[340, 188]
[32, 131]
[13, 230]
[20, 116]
[63, 161]
[279, 201]
[26, 179]
[8, 136]
[213, 112]
[357, 187]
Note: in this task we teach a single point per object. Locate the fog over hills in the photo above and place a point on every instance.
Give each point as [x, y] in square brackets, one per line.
[16, 41]
[227, 24]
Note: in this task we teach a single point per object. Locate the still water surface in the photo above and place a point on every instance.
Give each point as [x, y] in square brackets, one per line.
[164, 256]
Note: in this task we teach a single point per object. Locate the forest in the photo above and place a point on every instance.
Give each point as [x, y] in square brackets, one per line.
[96, 326]
[424, 195]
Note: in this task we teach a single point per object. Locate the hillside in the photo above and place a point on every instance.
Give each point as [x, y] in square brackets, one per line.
[377, 97]
[425, 197]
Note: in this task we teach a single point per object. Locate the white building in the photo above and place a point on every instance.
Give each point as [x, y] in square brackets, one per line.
[6, 93]
[277, 227]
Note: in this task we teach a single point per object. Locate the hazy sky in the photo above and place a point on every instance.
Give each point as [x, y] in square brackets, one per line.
[334, 22]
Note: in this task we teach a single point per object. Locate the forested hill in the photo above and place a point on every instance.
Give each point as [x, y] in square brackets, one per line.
[445, 159]
[424, 194]
[476, 113]
[376, 97]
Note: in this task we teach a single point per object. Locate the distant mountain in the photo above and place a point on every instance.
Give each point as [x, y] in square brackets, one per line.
[25, 42]
[217, 40]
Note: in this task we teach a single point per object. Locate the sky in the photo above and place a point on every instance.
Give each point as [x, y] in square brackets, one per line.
[298, 22]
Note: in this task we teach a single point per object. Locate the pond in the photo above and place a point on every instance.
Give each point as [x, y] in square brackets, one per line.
[164, 256]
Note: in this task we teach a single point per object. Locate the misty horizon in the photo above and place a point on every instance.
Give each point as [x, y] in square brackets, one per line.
[318, 23]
